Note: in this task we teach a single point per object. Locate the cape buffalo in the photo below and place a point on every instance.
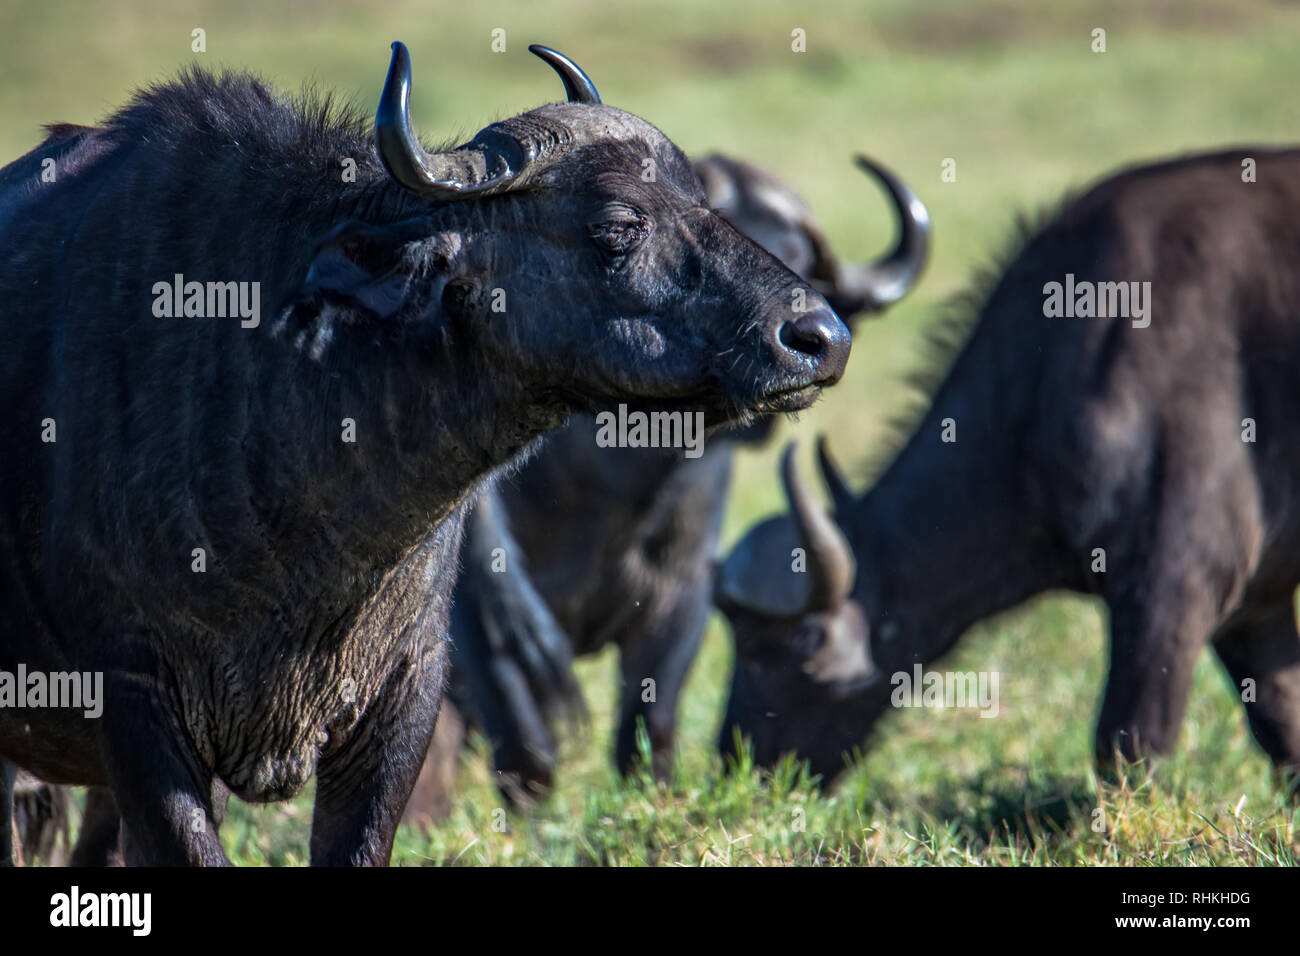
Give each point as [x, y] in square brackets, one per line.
[1149, 455]
[246, 531]
[588, 546]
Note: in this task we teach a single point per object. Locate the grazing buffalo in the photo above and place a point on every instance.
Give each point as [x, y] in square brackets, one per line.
[258, 361]
[588, 545]
[1123, 421]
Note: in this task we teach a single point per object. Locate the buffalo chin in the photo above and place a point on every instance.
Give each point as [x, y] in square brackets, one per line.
[789, 400]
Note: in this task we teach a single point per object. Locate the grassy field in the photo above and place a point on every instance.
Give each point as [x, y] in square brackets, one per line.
[1013, 93]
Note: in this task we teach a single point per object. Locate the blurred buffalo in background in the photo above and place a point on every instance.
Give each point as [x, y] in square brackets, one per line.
[1121, 422]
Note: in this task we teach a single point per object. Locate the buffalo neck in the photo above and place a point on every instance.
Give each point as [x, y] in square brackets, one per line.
[293, 474]
[351, 454]
[953, 530]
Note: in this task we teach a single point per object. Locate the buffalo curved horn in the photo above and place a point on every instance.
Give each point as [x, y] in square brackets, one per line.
[875, 285]
[831, 568]
[840, 491]
[452, 175]
[499, 158]
[577, 84]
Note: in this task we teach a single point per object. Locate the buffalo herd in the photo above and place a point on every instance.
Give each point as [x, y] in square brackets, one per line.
[314, 432]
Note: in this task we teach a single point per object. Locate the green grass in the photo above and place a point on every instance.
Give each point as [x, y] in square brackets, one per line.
[940, 787]
[1009, 90]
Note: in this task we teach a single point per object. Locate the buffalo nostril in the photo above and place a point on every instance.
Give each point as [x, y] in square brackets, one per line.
[811, 332]
[819, 334]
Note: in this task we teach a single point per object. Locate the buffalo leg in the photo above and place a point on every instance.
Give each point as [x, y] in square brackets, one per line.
[161, 787]
[511, 656]
[663, 654]
[435, 789]
[1265, 649]
[97, 843]
[9, 851]
[1170, 592]
[523, 748]
[1157, 632]
[363, 786]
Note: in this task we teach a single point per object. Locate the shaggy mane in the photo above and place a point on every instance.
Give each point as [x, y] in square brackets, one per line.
[946, 337]
[207, 110]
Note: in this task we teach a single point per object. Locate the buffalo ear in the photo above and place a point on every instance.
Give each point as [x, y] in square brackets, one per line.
[733, 606]
[363, 274]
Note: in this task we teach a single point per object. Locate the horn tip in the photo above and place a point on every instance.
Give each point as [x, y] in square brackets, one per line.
[829, 466]
[577, 84]
[547, 53]
[878, 170]
[841, 493]
[400, 65]
[896, 186]
[790, 468]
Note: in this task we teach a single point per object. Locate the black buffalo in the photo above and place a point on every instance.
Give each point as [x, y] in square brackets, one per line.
[258, 361]
[1121, 422]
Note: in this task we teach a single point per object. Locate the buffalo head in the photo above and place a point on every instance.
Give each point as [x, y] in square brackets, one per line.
[804, 681]
[770, 212]
[572, 247]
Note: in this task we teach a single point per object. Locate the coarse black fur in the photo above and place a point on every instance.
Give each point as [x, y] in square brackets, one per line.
[252, 531]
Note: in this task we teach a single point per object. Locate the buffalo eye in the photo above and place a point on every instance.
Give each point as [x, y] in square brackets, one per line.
[619, 230]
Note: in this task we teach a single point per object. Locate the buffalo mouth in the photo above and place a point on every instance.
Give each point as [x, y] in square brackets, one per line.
[792, 398]
[720, 406]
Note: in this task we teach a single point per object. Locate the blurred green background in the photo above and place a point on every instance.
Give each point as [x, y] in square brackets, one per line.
[1014, 94]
